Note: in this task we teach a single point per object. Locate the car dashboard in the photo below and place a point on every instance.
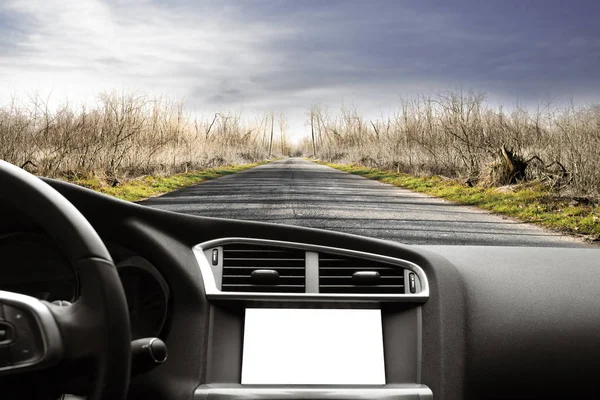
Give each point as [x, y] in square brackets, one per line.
[44, 273]
[396, 321]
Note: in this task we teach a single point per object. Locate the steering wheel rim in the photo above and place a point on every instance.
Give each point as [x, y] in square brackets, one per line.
[96, 326]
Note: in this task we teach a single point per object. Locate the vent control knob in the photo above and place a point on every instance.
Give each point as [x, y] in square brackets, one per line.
[365, 278]
[264, 276]
[412, 285]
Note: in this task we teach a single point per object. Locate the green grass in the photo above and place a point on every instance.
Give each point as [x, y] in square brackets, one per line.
[530, 203]
[150, 186]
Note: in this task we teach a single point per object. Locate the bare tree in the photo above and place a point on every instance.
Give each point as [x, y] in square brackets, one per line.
[312, 131]
[211, 125]
[458, 135]
[124, 135]
[283, 126]
[271, 139]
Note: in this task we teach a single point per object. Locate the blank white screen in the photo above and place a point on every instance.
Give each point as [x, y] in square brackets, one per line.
[310, 346]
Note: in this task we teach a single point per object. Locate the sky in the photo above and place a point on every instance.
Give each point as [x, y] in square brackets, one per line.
[263, 55]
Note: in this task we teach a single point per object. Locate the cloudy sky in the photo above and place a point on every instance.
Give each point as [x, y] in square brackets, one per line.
[287, 55]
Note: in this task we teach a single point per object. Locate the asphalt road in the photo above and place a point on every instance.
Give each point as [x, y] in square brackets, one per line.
[298, 192]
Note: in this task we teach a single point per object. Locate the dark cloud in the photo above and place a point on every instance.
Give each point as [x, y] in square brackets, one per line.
[507, 46]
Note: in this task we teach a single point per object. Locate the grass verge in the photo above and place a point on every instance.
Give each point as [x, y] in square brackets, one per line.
[150, 186]
[530, 203]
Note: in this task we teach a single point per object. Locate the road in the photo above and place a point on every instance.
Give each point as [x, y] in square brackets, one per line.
[298, 192]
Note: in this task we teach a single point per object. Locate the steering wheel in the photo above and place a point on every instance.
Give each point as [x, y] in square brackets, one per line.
[93, 331]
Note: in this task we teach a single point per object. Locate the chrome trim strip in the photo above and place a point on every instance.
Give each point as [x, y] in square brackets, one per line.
[213, 292]
[385, 392]
[419, 342]
[312, 272]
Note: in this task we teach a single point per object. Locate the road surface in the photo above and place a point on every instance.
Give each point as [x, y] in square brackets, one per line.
[298, 192]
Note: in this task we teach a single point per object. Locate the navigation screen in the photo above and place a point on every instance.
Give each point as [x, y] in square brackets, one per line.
[313, 347]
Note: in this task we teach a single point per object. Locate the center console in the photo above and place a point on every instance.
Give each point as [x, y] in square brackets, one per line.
[296, 321]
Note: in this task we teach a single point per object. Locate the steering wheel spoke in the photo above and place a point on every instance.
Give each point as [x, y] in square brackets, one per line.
[86, 324]
[29, 335]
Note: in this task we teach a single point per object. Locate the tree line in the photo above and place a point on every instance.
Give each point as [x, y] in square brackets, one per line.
[457, 134]
[133, 134]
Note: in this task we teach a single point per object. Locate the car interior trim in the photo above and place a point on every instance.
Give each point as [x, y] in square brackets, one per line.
[211, 273]
[312, 272]
[387, 392]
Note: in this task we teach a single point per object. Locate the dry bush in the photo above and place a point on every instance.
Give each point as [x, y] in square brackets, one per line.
[131, 135]
[458, 135]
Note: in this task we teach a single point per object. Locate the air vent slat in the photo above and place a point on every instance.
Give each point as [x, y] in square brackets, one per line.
[349, 272]
[251, 285]
[336, 272]
[241, 260]
[283, 280]
[263, 262]
[283, 271]
[359, 286]
[364, 290]
[264, 288]
[325, 278]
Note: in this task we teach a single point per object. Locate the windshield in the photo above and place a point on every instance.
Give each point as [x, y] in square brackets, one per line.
[421, 122]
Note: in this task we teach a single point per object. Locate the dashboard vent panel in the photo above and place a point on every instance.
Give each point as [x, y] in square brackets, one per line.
[341, 274]
[255, 268]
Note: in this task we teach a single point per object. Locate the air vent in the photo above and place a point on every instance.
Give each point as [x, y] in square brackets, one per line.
[340, 274]
[252, 268]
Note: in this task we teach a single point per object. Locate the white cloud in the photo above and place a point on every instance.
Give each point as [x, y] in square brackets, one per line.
[270, 55]
[84, 46]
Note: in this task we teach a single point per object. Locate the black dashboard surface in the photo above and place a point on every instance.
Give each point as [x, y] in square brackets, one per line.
[499, 322]
[532, 323]
[43, 271]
